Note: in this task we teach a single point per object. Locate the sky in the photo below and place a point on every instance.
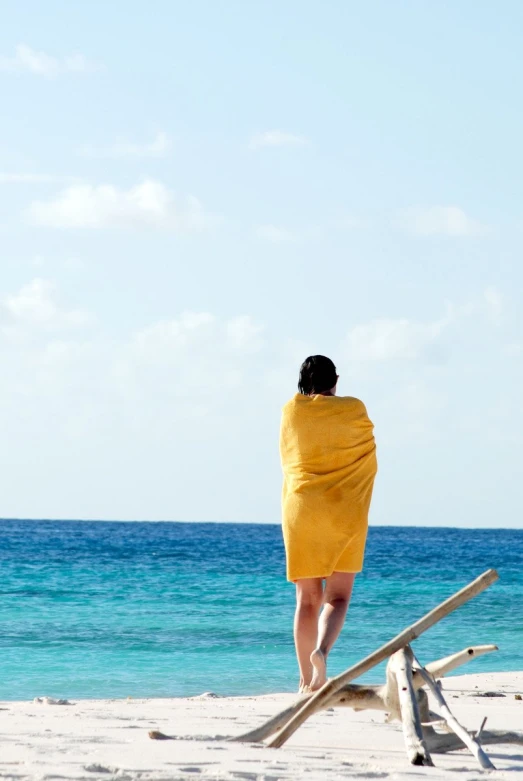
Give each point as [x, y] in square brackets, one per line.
[196, 196]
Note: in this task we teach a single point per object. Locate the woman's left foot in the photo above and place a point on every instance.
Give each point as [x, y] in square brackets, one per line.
[319, 664]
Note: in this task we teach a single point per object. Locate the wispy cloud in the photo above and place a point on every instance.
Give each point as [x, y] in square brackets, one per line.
[438, 221]
[158, 342]
[158, 147]
[387, 339]
[277, 138]
[147, 205]
[243, 333]
[28, 60]
[274, 234]
[36, 305]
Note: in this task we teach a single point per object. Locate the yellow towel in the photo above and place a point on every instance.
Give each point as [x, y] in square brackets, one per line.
[328, 457]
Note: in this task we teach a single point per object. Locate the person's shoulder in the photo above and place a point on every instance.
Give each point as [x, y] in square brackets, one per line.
[291, 404]
[354, 405]
[351, 401]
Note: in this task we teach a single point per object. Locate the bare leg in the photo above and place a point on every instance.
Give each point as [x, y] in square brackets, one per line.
[309, 598]
[337, 596]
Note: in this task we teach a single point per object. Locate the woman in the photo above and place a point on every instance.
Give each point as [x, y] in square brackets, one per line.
[328, 457]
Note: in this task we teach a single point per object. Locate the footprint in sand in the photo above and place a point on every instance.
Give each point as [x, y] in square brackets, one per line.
[99, 769]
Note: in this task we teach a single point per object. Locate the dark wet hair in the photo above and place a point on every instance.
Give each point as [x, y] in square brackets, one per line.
[317, 375]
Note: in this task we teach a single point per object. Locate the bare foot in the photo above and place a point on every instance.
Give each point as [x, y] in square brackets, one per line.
[304, 688]
[319, 676]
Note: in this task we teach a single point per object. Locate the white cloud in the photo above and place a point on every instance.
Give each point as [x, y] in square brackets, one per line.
[274, 234]
[181, 367]
[151, 380]
[28, 60]
[36, 305]
[122, 424]
[160, 341]
[147, 205]
[438, 221]
[244, 334]
[158, 147]
[277, 138]
[386, 339]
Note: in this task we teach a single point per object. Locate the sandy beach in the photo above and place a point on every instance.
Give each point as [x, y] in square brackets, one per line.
[89, 739]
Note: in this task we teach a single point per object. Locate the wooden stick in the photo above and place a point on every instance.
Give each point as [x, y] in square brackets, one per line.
[272, 725]
[318, 699]
[353, 695]
[454, 724]
[480, 730]
[350, 696]
[401, 668]
[441, 667]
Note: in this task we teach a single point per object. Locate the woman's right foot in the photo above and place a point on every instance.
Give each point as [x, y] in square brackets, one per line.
[304, 688]
[319, 665]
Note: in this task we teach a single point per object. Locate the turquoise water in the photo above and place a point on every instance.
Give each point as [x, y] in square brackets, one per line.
[168, 609]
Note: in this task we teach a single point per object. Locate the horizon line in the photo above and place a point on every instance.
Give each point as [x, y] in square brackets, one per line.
[252, 523]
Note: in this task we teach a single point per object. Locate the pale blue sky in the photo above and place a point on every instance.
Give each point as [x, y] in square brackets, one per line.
[196, 196]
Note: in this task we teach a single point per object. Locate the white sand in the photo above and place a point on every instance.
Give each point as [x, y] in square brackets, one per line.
[109, 738]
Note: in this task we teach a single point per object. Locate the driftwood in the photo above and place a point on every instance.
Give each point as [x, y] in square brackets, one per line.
[319, 698]
[466, 738]
[371, 697]
[402, 696]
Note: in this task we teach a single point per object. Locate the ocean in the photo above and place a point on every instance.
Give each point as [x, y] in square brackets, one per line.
[102, 610]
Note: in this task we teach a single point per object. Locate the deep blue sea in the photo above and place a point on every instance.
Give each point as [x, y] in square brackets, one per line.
[93, 609]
